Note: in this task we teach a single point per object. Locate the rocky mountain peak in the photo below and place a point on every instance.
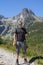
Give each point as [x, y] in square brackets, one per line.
[27, 11]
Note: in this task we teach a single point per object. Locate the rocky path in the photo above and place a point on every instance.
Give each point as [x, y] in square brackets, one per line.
[8, 58]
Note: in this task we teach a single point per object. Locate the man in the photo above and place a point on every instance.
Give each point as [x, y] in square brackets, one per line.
[19, 40]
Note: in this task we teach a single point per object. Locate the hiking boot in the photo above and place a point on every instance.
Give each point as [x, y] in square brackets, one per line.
[25, 61]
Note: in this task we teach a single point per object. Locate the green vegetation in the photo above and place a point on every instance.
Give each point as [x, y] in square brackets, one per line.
[35, 44]
[36, 26]
[40, 62]
[35, 39]
[7, 43]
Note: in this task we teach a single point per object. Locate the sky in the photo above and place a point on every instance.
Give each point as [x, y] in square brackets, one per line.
[10, 8]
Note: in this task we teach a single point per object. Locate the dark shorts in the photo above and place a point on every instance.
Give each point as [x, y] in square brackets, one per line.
[21, 45]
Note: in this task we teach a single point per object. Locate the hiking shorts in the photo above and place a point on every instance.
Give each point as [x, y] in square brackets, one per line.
[21, 45]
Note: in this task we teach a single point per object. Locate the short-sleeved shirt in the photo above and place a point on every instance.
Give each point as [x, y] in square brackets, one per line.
[20, 32]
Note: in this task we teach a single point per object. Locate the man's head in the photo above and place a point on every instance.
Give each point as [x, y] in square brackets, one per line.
[20, 23]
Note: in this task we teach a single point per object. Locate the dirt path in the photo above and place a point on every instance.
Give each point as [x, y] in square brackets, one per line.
[8, 58]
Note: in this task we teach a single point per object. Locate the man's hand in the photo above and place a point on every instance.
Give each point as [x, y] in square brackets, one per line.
[14, 43]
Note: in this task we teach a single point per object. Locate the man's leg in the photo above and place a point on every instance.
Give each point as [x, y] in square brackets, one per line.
[25, 58]
[24, 55]
[17, 53]
[17, 57]
[24, 51]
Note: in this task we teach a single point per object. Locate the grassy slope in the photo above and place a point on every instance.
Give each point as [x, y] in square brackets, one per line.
[35, 41]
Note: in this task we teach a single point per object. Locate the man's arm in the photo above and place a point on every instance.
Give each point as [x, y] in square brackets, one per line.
[15, 39]
[26, 35]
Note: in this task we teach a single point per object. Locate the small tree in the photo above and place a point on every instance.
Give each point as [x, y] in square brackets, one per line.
[1, 41]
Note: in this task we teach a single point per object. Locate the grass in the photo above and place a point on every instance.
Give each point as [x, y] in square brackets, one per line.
[35, 43]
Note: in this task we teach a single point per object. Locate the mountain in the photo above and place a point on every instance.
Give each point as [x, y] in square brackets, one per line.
[8, 25]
